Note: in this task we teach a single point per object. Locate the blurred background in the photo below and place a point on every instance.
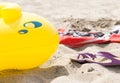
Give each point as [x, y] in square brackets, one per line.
[55, 9]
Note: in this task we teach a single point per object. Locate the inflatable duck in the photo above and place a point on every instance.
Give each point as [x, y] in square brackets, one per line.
[26, 39]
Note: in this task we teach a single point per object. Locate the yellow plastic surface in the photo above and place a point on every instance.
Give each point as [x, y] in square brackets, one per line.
[26, 40]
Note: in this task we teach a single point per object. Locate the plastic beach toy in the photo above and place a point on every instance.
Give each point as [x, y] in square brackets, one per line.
[26, 39]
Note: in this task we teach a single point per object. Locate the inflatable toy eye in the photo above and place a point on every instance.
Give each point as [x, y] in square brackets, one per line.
[32, 24]
[23, 31]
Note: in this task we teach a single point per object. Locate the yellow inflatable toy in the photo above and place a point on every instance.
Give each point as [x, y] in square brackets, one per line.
[26, 40]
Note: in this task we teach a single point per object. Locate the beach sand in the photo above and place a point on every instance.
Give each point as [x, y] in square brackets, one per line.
[93, 15]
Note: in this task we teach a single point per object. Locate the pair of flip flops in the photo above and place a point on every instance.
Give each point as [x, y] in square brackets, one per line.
[74, 38]
[102, 58]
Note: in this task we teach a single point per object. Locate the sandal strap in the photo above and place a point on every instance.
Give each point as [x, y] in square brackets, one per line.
[93, 56]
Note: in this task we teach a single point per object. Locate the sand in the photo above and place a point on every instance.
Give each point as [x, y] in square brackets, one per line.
[93, 15]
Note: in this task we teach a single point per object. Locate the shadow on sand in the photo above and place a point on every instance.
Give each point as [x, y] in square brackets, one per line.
[36, 75]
